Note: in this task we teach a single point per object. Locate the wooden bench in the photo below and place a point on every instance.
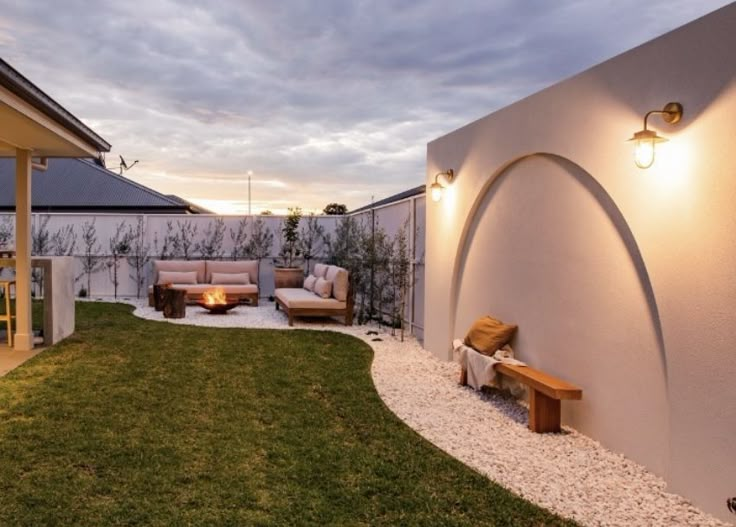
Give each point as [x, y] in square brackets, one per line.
[545, 395]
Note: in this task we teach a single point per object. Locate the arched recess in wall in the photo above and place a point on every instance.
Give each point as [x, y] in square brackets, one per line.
[545, 246]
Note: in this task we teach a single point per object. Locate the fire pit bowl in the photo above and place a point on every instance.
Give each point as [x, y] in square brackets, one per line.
[218, 309]
[216, 302]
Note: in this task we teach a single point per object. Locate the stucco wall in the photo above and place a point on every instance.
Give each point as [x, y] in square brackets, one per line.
[620, 279]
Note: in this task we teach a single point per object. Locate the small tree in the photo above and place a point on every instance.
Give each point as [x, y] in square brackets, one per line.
[210, 247]
[91, 261]
[312, 240]
[261, 241]
[167, 242]
[183, 243]
[138, 256]
[290, 249]
[335, 209]
[239, 238]
[119, 248]
[40, 246]
[6, 232]
[400, 266]
[64, 241]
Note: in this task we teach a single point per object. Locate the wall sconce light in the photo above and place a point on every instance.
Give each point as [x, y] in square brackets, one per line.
[436, 188]
[645, 140]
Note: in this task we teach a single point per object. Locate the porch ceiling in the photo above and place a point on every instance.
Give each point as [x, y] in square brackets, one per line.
[24, 126]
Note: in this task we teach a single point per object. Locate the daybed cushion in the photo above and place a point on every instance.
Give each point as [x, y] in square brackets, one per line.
[230, 278]
[323, 288]
[320, 270]
[488, 334]
[238, 266]
[177, 277]
[301, 298]
[179, 266]
[309, 282]
[231, 289]
[339, 278]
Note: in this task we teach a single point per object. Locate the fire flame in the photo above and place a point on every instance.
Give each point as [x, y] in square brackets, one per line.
[214, 296]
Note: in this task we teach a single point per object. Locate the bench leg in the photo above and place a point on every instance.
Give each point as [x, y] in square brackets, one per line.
[291, 319]
[544, 413]
[463, 377]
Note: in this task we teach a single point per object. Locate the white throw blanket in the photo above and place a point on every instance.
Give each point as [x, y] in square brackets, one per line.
[481, 368]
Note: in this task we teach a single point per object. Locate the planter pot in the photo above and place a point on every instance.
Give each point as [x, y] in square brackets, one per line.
[288, 277]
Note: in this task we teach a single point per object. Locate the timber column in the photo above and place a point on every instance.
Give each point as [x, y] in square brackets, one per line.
[23, 316]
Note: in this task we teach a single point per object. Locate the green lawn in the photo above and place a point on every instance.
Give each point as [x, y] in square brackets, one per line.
[130, 422]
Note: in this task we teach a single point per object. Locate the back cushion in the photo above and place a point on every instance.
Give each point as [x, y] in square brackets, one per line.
[177, 277]
[322, 288]
[320, 270]
[339, 278]
[309, 282]
[179, 266]
[238, 266]
[488, 334]
[231, 278]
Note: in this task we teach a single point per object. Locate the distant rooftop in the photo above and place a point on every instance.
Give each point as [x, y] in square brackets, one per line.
[80, 185]
[416, 191]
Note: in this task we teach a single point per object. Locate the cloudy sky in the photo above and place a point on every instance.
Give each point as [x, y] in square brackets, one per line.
[323, 100]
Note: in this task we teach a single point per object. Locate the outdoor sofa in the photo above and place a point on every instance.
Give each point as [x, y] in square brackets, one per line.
[326, 293]
[238, 278]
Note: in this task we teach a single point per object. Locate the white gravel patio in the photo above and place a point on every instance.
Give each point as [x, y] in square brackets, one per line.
[567, 473]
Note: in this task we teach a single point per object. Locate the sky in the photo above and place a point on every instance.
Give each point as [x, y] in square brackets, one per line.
[320, 101]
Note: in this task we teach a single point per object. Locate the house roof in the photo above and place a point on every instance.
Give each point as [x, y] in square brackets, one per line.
[70, 185]
[416, 191]
[17, 84]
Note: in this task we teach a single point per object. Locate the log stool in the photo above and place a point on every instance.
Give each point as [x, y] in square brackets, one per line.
[8, 316]
[175, 304]
[158, 296]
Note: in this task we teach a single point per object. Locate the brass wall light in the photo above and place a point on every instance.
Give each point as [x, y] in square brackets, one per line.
[436, 188]
[645, 140]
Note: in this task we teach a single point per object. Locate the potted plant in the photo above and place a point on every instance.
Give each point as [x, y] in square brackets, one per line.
[288, 270]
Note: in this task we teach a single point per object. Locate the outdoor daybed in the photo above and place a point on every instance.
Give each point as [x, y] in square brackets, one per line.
[326, 293]
[238, 278]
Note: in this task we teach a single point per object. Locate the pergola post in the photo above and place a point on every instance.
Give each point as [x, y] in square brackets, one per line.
[24, 326]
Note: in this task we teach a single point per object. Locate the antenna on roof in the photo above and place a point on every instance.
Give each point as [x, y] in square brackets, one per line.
[124, 167]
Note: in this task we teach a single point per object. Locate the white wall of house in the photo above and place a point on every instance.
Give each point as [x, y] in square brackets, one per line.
[621, 279]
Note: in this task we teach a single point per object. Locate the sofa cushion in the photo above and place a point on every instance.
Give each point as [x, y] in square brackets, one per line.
[177, 277]
[320, 270]
[301, 298]
[237, 266]
[230, 278]
[339, 278]
[179, 266]
[309, 282]
[323, 288]
[488, 334]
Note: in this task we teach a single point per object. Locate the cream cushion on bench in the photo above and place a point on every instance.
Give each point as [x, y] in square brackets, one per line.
[179, 266]
[339, 278]
[243, 266]
[303, 299]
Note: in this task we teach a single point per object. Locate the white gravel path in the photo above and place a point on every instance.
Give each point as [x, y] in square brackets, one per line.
[567, 473]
